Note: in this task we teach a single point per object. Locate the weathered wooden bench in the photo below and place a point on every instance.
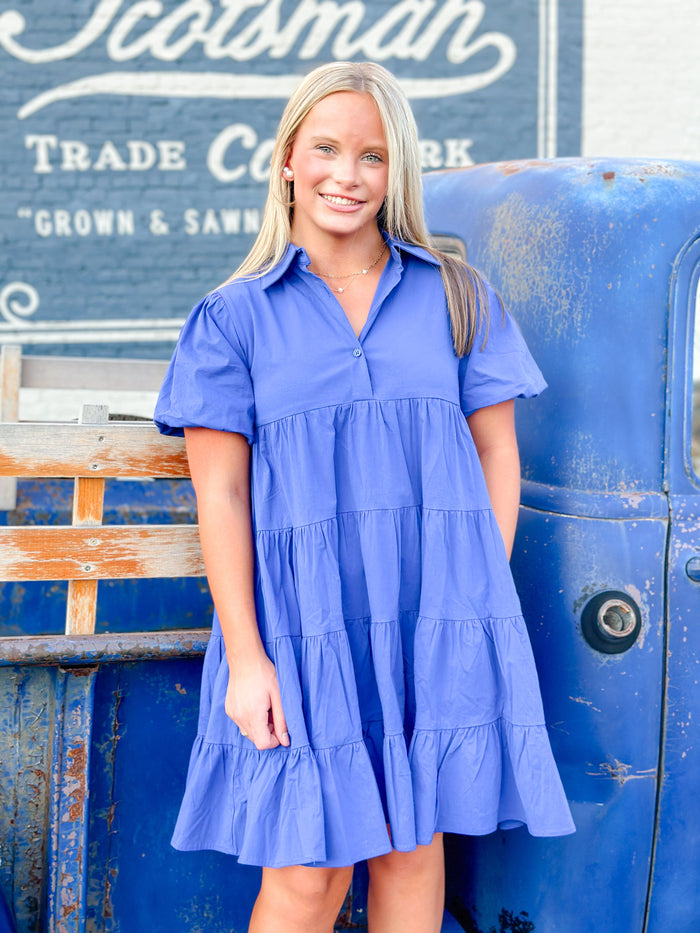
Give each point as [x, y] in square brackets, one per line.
[86, 551]
[55, 759]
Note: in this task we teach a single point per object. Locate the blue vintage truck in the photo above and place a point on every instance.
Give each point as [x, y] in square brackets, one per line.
[599, 261]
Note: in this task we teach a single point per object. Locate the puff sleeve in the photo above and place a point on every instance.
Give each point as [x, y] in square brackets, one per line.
[208, 382]
[500, 369]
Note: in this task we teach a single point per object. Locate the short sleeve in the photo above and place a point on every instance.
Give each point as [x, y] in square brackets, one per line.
[500, 369]
[208, 382]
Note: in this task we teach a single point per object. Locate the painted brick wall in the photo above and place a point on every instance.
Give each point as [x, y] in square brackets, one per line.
[134, 140]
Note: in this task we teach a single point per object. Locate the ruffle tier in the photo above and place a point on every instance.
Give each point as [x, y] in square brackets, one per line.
[364, 455]
[352, 768]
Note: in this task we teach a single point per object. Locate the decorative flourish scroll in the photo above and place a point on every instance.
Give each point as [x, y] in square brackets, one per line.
[15, 310]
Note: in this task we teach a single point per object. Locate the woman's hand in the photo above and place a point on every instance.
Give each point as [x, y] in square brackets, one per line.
[253, 702]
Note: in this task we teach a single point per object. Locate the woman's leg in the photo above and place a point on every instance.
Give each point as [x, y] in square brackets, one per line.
[299, 899]
[407, 890]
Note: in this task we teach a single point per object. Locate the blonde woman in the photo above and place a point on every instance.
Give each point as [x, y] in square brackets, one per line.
[347, 403]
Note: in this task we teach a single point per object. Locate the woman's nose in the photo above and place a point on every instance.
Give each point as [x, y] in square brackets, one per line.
[346, 171]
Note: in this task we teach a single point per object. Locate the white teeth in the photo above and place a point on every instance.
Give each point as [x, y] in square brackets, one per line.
[336, 200]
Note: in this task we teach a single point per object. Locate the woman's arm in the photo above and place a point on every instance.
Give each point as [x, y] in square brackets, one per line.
[493, 431]
[220, 468]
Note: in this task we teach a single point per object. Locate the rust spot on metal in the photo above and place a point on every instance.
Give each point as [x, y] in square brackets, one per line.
[76, 769]
[513, 167]
[110, 816]
[608, 176]
[107, 909]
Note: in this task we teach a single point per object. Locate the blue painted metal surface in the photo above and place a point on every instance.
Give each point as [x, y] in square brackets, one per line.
[7, 923]
[676, 904]
[595, 259]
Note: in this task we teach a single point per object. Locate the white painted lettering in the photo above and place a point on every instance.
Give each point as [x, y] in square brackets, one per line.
[76, 156]
[61, 223]
[231, 220]
[171, 155]
[210, 224]
[191, 217]
[43, 143]
[408, 30]
[259, 165]
[42, 223]
[104, 222]
[251, 220]
[168, 155]
[125, 223]
[255, 38]
[13, 24]
[456, 154]
[158, 225]
[450, 153]
[142, 155]
[218, 151]
[374, 45]
[109, 158]
[449, 13]
[215, 40]
[82, 221]
[195, 12]
[325, 18]
[430, 154]
[116, 49]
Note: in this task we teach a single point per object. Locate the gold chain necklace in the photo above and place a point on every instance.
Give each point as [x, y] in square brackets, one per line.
[351, 275]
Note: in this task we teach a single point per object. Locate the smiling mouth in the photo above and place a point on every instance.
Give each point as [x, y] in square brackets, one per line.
[343, 202]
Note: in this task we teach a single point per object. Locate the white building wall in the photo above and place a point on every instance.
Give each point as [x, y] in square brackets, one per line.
[641, 78]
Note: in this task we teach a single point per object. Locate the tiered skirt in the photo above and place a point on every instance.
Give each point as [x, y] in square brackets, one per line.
[384, 598]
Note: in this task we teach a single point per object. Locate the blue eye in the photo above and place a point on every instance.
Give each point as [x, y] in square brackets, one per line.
[373, 157]
[324, 149]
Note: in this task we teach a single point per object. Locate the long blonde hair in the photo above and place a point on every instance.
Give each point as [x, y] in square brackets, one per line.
[402, 212]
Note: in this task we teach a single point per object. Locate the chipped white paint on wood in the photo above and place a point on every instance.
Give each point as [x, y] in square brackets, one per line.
[109, 552]
[130, 450]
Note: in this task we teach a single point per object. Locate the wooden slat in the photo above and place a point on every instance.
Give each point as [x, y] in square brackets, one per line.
[117, 448]
[10, 370]
[88, 503]
[76, 372]
[108, 552]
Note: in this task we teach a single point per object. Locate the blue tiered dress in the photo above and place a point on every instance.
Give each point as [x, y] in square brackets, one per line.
[383, 591]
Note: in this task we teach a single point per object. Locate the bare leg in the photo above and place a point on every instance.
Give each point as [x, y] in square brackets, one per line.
[407, 890]
[299, 899]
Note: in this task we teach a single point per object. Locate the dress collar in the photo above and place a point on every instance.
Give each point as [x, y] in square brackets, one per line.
[297, 255]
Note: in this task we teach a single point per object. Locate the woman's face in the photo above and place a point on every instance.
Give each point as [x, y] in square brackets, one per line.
[340, 163]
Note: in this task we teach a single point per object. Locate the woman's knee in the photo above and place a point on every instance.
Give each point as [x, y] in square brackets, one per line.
[421, 861]
[306, 890]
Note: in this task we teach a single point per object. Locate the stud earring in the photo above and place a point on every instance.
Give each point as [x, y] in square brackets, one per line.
[287, 173]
